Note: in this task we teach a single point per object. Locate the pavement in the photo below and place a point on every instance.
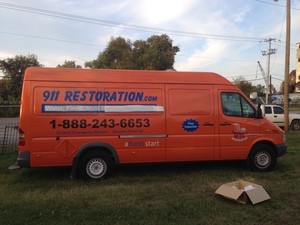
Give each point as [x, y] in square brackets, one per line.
[9, 120]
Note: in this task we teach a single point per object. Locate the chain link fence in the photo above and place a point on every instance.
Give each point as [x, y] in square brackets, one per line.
[9, 128]
[9, 137]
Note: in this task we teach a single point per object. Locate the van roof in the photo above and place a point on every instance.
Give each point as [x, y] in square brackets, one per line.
[124, 76]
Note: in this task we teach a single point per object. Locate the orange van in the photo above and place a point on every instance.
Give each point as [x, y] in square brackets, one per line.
[94, 119]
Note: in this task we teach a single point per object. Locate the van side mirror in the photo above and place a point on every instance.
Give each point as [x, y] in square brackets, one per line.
[259, 112]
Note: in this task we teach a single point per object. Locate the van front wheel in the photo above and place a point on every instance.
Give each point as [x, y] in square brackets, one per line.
[261, 158]
[95, 165]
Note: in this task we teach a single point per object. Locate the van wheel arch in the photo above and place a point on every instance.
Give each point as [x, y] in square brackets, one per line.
[262, 157]
[88, 149]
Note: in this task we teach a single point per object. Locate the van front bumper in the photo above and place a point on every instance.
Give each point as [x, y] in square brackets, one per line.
[281, 149]
[24, 159]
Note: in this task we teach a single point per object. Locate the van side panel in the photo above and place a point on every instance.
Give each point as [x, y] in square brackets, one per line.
[190, 122]
[67, 115]
[137, 116]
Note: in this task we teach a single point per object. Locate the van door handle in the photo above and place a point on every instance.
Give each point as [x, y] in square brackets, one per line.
[225, 124]
[207, 124]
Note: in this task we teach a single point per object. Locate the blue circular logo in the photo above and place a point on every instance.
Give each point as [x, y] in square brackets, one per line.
[190, 125]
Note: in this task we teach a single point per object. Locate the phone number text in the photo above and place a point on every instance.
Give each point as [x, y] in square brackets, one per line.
[96, 123]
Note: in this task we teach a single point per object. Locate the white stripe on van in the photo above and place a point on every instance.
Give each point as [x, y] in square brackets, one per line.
[81, 108]
[133, 108]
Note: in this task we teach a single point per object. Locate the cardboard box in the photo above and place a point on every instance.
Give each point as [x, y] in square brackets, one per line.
[243, 192]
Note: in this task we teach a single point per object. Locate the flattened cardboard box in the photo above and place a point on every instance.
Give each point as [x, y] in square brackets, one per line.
[243, 192]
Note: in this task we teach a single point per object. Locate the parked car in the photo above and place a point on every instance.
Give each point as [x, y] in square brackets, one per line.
[275, 113]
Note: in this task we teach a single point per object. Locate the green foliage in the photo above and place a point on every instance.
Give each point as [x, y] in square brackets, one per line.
[157, 53]
[69, 64]
[292, 83]
[244, 85]
[13, 70]
[260, 90]
[9, 107]
[117, 55]
[11, 84]
[292, 87]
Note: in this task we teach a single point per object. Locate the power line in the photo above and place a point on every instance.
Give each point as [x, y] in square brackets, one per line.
[47, 38]
[269, 3]
[93, 44]
[282, 46]
[272, 3]
[90, 20]
[254, 61]
[212, 58]
[244, 75]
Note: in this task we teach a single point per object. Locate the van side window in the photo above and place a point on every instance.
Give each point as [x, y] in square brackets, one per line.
[268, 110]
[233, 104]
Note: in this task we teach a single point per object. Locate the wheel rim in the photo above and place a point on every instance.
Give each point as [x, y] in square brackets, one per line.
[296, 126]
[262, 160]
[96, 168]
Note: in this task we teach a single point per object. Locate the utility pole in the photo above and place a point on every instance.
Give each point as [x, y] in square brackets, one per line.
[287, 66]
[270, 86]
[268, 53]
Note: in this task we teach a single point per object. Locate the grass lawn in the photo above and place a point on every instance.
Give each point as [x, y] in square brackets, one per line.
[294, 108]
[163, 194]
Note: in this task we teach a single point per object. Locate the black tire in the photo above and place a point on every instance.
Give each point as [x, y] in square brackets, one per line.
[262, 158]
[95, 165]
[295, 125]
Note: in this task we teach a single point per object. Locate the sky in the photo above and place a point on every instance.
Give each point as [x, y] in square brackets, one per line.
[222, 36]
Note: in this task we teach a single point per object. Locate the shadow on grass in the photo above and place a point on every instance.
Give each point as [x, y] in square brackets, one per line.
[177, 168]
[135, 170]
[35, 178]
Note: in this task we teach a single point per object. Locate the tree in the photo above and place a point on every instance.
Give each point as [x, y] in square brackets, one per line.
[292, 83]
[261, 90]
[244, 85]
[117, 55]
[13, 70]
[139, 54]
[157, 53]
[292, 87]
[69, 64]
[274, 91]
[298, 85]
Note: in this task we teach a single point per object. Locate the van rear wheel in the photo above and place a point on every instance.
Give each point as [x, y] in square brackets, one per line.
[95, 165]
[261, 158]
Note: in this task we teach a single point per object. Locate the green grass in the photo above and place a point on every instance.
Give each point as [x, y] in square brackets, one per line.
[294, 108]
[150, 194]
